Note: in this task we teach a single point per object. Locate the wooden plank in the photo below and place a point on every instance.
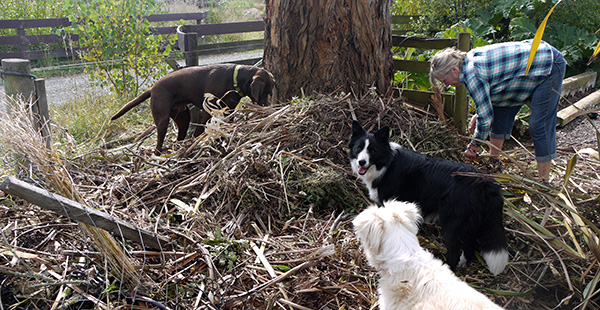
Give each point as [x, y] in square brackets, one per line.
[78, 212]
[225, 28]
[36, 55]
[411, 65]
[249, 61]
[578, 83]
[426, 43]
[64, 22]
[400, 32]
[230, 47]
[34, 39]
[176, 17]
[404, 19]
[570, 113]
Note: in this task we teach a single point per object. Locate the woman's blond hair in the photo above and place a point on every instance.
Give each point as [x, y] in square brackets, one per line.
[442, 62]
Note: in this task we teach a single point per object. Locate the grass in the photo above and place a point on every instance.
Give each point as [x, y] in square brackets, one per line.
[85, 122]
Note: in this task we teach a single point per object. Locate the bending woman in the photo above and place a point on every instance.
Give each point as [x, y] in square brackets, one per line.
[495, 77]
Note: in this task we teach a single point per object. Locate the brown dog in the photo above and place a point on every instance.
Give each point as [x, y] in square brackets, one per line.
[172, 93]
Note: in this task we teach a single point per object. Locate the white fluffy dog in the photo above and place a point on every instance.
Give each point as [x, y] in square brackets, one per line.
[411, 278]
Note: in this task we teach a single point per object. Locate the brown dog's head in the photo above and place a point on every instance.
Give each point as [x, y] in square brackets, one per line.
[262, 87]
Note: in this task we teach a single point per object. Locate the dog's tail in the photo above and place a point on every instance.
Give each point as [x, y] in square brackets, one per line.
[139, 99]
[492, 240]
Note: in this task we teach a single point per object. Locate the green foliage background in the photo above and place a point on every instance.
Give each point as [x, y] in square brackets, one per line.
[512, 20]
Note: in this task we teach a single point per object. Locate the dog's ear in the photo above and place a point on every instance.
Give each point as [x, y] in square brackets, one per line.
[357, 129]
[369, 228]
[404, 213]
[383, 134]
[257, 88]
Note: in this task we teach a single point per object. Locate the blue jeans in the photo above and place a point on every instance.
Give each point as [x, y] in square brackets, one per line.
[544, 107]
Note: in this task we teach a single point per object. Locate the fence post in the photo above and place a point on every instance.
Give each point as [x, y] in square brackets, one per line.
[18, 79]
[21, 87]
[188, 44]
[461, 106]
[41, 114]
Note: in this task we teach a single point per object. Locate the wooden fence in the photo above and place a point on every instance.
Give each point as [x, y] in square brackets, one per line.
[188, 35]
[456, 104]
[25, 42]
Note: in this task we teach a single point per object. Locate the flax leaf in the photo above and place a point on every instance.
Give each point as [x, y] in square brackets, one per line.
[538, 38]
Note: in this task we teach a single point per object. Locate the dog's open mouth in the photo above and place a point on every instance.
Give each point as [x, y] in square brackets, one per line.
[362, 170]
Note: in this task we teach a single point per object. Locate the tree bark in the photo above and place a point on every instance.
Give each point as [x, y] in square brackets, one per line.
[327, 45]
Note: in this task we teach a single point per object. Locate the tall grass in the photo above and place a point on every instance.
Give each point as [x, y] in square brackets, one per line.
[83, 124]
[13, 9]
[18, 135]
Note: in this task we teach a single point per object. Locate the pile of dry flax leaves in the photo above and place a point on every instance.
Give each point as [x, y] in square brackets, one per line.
[257, 215]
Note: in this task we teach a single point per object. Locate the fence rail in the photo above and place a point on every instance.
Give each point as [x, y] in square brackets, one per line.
[25, 42]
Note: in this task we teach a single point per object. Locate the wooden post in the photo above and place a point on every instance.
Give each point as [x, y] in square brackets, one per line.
[461, 106]
[188, 43]
[40, 111]
[18, 78]
[21, 86]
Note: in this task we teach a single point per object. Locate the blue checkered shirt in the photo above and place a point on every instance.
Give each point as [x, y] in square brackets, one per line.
[495, 76]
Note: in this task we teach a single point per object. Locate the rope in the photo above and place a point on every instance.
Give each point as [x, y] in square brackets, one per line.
[3, 72]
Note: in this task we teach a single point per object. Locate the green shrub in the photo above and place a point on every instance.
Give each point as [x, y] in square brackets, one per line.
[118, 45]
[582, 14]
[438, 15]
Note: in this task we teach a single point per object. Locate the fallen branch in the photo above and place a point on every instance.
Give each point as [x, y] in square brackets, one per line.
[233, 300]
[80, 213]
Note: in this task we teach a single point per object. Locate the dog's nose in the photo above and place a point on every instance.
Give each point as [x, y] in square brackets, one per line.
[362, 162]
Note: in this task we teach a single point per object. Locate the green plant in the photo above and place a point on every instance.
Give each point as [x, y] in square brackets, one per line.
[225, 251]
[117, 42]
[438, 15]
[14, 9]
[412, 80]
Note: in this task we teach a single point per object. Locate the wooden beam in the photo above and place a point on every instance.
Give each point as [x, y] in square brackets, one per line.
[224, 28]
[411, 65]
[80, 213]
[580, 107]
[404, 19]
[176, 17]
[426, 43]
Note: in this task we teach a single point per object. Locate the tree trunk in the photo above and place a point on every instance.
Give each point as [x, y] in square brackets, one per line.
[323, 46]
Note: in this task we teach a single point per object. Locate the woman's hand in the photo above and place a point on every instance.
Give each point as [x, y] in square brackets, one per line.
[473, 124]
[471, 152]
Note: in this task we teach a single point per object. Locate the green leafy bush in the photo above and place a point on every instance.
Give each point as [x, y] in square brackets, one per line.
[438, 15]
[510, 20]
[118, 45]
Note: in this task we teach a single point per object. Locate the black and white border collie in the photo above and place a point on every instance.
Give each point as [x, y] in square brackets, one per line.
[469, 209]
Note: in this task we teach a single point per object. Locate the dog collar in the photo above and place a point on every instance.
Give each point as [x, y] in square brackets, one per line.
[235, 82]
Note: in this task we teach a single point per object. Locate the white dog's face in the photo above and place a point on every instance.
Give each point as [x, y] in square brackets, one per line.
[388, 233]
